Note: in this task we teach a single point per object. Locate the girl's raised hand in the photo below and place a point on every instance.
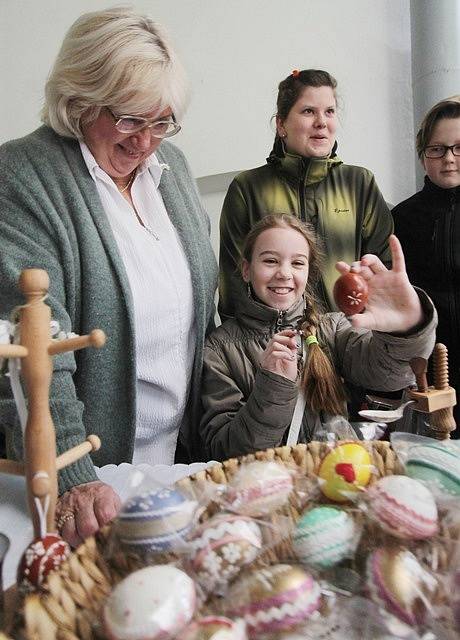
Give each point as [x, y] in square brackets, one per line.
[280, 355]
[393, 305]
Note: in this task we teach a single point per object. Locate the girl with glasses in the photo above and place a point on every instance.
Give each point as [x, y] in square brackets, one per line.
[428, 227]
[280, 350]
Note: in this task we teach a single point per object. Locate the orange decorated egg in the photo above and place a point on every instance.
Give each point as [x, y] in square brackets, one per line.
[344, 470]
[350, 291]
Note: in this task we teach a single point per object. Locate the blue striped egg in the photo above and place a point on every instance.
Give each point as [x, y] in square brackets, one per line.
[437, 465]
[324, 536]
[157, 520]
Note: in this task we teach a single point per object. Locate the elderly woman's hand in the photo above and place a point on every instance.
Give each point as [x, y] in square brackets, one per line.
[84, 509]
[393, 305]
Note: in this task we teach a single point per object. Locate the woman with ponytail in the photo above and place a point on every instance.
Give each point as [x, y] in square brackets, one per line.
[281, 357]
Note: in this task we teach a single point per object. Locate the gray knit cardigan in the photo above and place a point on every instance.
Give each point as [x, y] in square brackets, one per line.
[51, 217]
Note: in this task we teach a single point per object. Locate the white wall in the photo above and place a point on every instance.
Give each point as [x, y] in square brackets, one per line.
[236, 52]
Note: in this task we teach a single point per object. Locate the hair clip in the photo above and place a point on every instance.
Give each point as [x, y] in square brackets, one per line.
[295, 73]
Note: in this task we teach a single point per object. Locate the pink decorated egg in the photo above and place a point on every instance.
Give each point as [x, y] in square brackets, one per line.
[274, 599]
[351, 291]
[403, 507]
[154, 603]
[260, 487]
[222, 546]
[41, 557]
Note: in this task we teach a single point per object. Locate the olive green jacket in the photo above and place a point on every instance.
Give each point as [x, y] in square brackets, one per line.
[341, 201]
[247, 408]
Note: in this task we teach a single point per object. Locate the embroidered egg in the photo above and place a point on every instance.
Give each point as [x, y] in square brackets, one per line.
[260, 487]
[351, 291]
[157, 520]
[215, 628]
[404, 507]
[274, 599]
[396, 580]
[153, 603]
[41, 557]
[437, 466]
[222, 546]
[344, 470]
[324, 536]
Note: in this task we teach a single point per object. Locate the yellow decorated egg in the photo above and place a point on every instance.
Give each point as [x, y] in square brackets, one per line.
[344, 470]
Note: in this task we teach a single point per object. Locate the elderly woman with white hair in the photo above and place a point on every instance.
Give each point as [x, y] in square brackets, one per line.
[97, 198]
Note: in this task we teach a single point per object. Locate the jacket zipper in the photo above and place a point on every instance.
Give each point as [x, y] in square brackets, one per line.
[302, 212]
[279, 321]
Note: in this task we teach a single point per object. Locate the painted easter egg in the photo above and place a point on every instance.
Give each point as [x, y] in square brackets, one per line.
[153, 603]
[350, 292]
[259, 487]
[396, 580]
[41, 556]
[344, 470]
[274, 599]
[437, 466]
[222, 546]
[215, 628]
[324, 536]
[403, 507]
[157, 520]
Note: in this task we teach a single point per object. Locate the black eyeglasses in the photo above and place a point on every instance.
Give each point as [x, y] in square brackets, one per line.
[440, 150]
[133, 124]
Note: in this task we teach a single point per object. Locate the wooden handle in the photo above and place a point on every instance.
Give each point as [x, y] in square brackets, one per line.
[12, 467]
[92, 443]
[419, 367]
[95, 339]
[12, 351]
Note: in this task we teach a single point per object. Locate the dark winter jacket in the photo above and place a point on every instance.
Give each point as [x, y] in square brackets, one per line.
[247, 408]
[428, 226]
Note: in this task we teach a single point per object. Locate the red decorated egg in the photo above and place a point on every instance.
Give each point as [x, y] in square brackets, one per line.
[350, 291]
[41, 556]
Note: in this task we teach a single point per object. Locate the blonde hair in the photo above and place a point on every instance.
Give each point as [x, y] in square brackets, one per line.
[323, 388]
[113, 58]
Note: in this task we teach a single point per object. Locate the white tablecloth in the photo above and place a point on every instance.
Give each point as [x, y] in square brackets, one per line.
[17, 526]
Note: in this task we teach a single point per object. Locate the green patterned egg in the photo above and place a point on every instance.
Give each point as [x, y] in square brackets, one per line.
[324, 536]
[438, 466]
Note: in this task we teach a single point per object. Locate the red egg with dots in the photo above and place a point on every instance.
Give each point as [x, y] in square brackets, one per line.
[41, 557]
[351, 291]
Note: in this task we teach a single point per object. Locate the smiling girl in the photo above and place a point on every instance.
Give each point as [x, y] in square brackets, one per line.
[279, 347]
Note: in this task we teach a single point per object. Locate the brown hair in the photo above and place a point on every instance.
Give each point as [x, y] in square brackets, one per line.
[323, 388]
[290, 89]
[448, 108]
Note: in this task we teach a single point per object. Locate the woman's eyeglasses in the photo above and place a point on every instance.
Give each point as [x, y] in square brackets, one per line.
[440, 150]
[133, 124]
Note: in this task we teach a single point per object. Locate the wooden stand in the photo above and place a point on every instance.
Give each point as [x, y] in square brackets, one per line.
[437, 400]
[36, 350]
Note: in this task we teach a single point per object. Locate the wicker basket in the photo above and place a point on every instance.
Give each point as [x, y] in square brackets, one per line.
[73, 596]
